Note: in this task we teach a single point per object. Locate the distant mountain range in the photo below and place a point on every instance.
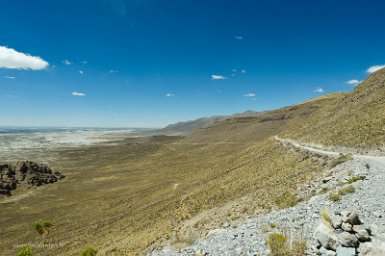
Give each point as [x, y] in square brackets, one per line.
[192, 125]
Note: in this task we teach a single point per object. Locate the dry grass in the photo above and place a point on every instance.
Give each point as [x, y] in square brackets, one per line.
[347, 190]
[355, 119]
[353, 179]
[279, 245]
[286, 200]
[325, 215]
[140, 205]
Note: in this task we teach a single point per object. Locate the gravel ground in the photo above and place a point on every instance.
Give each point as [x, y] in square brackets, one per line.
[300, 221]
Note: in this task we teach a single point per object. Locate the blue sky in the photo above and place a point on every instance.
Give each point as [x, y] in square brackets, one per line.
[147, 63]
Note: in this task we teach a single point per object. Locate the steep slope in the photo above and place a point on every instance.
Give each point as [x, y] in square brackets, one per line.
[356, 120]
[251, 129]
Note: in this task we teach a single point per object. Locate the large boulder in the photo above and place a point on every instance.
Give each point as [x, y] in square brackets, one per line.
[348, 240]
[336, 221]
[350, 217]
[327, 237]
[372, 249]
[361, 233]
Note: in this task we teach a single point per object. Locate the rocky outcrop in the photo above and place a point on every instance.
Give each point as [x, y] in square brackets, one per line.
[26, 172]
[345, 235]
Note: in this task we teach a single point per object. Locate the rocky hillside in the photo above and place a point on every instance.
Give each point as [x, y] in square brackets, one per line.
[343, 217]
[356, 120]
[25, 173]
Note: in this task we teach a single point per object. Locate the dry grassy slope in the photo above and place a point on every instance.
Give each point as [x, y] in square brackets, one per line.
[356, 120]
[252, 129]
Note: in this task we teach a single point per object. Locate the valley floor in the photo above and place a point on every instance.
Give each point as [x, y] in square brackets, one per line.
[300, 221]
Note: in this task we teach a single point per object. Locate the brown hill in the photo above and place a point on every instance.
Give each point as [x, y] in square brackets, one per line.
[357, 119]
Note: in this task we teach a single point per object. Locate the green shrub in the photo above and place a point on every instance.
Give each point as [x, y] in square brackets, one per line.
[89, 252]
[334, 197]
[43, 226]
[25, 251]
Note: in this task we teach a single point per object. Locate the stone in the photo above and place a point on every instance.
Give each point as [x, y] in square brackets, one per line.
[350, 217]
[361, 233]
[326, 236]
[346, 251]
[327, 252]
[336, 221]
[348, 240]
[346, 227]
[25, 173]
[372, 249]
[326, 179]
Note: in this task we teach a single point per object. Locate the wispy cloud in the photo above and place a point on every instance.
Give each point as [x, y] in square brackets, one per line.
[66, 62]
[373, 69]
[78, 94]
[239, 37]
[319, 90]
[81, 72]
[243, 71]
[169, 94]
[218, 77]
[10, 77]
[12, 59]
[113, 71]
[250, 94]
[84, 62]
[353, 82]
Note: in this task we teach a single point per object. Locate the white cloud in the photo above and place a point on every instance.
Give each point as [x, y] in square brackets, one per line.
[10, 77]
[218, 77]
[239, 37]
[250, 94]
[353, 82]
[78, 94]
[169, 94]
[10, 58]
[81, 72]
[67, 62]
[319, 90]
[375, 68]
